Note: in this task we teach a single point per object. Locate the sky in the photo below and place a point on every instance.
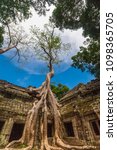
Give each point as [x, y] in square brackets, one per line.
[32, 72]
[13, 74]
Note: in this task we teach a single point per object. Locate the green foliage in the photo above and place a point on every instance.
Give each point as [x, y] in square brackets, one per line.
[18, 10]
[88, 58]
[11, 10]
[40, 6]
[66, 14]
[76, 14]
[47, 39]
[47, 44]
[60, 90]
[1, 35]
[90, 20]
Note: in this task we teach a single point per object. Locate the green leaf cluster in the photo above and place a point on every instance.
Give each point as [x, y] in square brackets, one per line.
[48, 45]
[59, 90]
[88, 58]
[13, 10]
[18, 10]
[76, 14]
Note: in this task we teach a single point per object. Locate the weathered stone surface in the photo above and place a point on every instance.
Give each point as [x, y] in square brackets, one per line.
[83, 103]
[80, 106]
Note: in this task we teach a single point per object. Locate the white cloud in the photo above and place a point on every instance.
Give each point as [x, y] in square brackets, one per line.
[75, 38]
[37, 20]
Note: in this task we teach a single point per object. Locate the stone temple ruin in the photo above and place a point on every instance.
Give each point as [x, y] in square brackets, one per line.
[80, 113]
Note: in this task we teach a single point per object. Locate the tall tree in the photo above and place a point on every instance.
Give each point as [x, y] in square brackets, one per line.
[35, 131]
[79, 14]
[16, 10]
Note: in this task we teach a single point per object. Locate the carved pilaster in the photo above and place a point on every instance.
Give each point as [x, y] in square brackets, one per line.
[6, 131]
[74, 123]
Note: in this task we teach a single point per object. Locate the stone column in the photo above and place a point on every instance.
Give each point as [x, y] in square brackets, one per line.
[96, 108]
[88, 131]
[74, 123]
[83, 130]
[6, 131]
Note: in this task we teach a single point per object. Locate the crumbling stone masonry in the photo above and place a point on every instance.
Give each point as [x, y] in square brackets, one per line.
[80, 113]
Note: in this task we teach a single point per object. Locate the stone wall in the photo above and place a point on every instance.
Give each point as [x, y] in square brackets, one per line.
[83, 105]
[80, 112]
[14, 105]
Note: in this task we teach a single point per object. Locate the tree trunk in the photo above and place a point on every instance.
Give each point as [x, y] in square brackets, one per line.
[35, 131]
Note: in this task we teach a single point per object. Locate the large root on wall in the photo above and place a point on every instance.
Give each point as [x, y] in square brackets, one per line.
[35, 131]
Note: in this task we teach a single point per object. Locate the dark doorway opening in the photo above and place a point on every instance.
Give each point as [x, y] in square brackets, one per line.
[1, 125]
[49, 129]
[69, 129]
[16, 132]
[96, 128]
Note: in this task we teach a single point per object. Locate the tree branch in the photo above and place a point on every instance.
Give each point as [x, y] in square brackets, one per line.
[7, 49]
[45, 51]
[9, 33]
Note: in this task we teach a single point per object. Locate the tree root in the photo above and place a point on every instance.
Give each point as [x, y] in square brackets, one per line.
[13, 143]
[37, 133]
[27, 148]
[60, 143]
[49, 147]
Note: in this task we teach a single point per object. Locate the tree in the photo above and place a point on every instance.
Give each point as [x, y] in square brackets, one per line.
[76, 14]
[1, 35]
[60, 90]
[14, 11]
[88, 58]
[35, 131]
[15, 38]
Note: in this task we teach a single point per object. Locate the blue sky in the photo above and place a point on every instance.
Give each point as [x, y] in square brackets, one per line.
[32, 72]
[19, 76]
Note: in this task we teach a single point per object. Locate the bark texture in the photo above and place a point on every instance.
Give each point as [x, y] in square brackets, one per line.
[7, 49]
[35, 131]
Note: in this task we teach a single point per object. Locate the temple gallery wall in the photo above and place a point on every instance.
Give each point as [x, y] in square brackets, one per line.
[79, 108]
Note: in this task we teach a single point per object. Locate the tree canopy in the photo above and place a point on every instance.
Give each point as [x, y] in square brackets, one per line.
[59, 90]
[15, 38]
[88, 58]
[79, 14]
[14, 11]
[47, 44]
[76, 14]
[19, 10]
[1, 35]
